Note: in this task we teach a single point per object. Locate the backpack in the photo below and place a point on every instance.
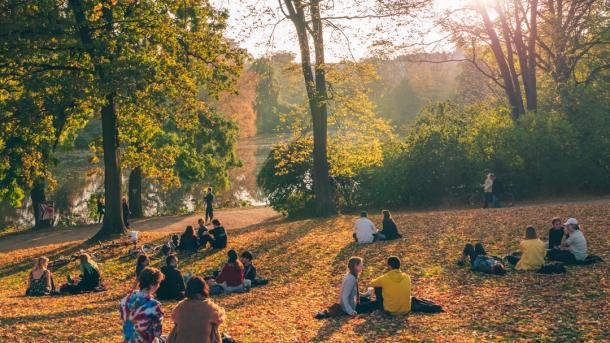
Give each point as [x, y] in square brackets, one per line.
[552, 268]
[424, 306]
[591, 259]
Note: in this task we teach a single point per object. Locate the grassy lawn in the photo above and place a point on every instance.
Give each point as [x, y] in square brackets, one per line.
[306, 261]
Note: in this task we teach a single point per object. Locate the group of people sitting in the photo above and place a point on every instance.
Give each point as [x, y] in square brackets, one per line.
[40, 279]
[365, 231]
[566, 243]
[196, 316]
[215, 237]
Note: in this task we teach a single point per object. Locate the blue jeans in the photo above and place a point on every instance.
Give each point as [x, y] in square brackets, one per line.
[496, 201]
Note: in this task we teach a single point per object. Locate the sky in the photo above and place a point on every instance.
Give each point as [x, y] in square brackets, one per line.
[257, 26]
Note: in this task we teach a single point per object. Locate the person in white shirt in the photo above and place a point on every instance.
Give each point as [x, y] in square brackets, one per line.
[364, 229]
[487, 188]
[573, 248]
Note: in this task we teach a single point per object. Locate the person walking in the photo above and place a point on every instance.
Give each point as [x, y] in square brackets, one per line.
[101, 208]
[209, 209]
[487, 188]
[126, 212]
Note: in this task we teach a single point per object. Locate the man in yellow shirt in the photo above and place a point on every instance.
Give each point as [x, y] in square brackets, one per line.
[395, 288]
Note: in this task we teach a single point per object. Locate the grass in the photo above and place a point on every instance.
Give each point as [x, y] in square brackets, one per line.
[306, 261]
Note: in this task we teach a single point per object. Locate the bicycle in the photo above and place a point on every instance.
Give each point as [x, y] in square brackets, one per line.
[154, 251]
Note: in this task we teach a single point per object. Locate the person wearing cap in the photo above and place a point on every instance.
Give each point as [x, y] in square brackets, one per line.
[364, 229]
[573, 248]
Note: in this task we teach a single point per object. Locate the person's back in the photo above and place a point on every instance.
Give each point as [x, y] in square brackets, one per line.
[395, 288]
[533, 252]
[172, 287]
[389, 229]
[555, 236]
[232, 274]
[364, 230]
[188, 242]
[196, 321]
[141, 316]
[220, 235]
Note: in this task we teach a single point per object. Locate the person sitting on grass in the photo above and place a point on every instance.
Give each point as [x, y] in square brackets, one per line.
[204, 234]
[555, 234]
[172, 287]
[389, 229]
[142, 262]
[351, 300]
[140, 312]
[533, 252]
[219, 235]
[188, 241]
[364, 229]
[89, 280]
[40, 279]
[231, 278]
[197, 318]
[573, 249]
[250, 270]
[393, 289]
[480, 261]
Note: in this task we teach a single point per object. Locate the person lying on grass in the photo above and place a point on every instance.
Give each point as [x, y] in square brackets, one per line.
[172, 287]
[231, 278]
[351, 300]
[480, 261]
[395, 288]
[364, 229]
[389, 229]
[39, 280]
[573, 249]
[90, 278]
[197, 318]
[250, 270]
[188, 241]
[141, 313]
[533, 251]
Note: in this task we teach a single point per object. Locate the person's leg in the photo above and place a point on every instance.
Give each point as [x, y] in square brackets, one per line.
[204, 240]
[512, 259]
[479, 250]
[487, 198]
[366, 305]
[468, 252]
[380, 236]
[379, 297]
[355, 237]
[496, 202]
[562, 256]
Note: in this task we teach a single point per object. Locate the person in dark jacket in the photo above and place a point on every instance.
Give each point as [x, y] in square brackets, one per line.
[480, 261]
[555, 234]
[220, 235]
[203, 234]
[101, 208]
[142, 262]
[172, 287]
[209, 205]
[246, 258]
[89, 280]
[389, 230]
[126, 212]
[188, 240]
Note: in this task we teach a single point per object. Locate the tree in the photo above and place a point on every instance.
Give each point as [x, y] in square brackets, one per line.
[295, 10]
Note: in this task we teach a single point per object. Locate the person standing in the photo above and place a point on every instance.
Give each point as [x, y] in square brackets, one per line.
[209, 210]
[126, 212]
[487, 188]
[101, 208]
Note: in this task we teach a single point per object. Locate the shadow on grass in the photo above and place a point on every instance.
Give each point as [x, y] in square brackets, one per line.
[330, 326]
[66, 314]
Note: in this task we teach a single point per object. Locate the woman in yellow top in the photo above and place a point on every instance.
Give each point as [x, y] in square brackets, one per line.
[533, 251]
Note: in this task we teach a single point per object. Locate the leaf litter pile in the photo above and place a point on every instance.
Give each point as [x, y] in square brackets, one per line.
[305, 261]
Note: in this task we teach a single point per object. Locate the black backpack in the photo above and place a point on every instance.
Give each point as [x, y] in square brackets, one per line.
[424, 306]
[552, 268]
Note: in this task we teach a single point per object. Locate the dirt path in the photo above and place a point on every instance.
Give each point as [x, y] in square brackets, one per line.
[231, 219]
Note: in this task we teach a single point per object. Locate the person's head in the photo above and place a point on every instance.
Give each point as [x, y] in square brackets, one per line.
[209, 189]
[386, 215]
[216, 222]
[41, 263]
[200, 222]
[189, 231]
[394, 262]
[556, 222]
[498, 269]
[197, 289]
[124, 200]
[355, 265]
[143, 260]
[571, 225]
[363, 214]
[171, 260]
[232, 255]
[486, 172]
[150, 279]
[85, 259]
[492, 176]
[246, 258]
[530, 233]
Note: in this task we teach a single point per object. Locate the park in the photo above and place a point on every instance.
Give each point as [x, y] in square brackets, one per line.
[304, 171]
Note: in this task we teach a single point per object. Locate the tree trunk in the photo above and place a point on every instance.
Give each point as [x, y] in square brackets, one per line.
[37, 194]
[531, 92]
[316, 94]
[113, 219]
[135, 193]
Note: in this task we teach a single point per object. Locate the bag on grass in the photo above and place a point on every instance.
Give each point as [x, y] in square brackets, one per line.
[591, 259]
[552, 268]
[424, 306]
